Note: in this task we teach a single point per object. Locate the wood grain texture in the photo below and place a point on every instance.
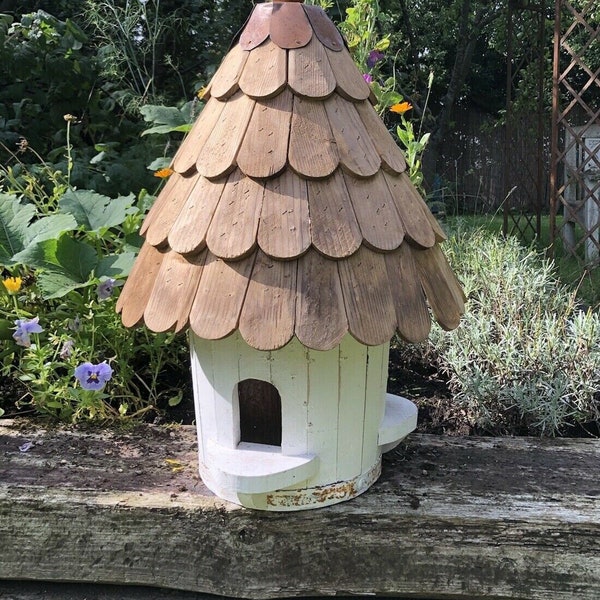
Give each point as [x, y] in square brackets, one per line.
[350, 82]
[220, 297]
[233, 229]
[225, 81]
[508, 518]
[257, 27]
[268, 316]
[321, 321]
[309, 72]
[220, 150]
[163, 198]
[368, 297]
[169, 209]
[326, 32]
[263, 152]
[357, 153]
[391, 156]
[138, 287]
[416, 223]
[443, 291]
[265, 72]
[375, 211]
[333, 226]
[312, 151]
[188, 233]
[284, 228]
[193, 144]
[412, 314]
[289, 25]
[175, 286]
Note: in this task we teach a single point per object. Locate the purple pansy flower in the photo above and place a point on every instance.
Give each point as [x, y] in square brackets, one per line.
[24, 328]
[368, 78]
[93, 377]
[374, 57]
[105, 288]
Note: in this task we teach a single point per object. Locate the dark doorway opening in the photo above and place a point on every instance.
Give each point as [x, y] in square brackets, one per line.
[260, 412]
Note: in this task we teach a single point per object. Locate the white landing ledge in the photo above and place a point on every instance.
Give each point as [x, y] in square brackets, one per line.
[399, 419]
[258, 468]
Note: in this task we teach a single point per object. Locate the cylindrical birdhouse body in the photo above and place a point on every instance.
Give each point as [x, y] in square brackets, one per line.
[293, 428]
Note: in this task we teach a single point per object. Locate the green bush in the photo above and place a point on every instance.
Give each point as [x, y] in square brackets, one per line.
[526, 356]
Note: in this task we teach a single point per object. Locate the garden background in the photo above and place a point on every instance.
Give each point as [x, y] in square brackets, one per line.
[96, 96]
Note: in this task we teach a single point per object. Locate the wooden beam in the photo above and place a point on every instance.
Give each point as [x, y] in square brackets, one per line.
[459, 518]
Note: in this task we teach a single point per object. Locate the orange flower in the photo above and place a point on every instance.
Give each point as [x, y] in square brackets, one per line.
[12, 284]
[401, 107]
[164, 173]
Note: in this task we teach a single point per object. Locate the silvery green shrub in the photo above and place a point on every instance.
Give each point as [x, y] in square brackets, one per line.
[525, 354]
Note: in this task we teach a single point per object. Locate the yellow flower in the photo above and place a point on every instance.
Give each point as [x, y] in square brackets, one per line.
[202, 92]
[164, 173]
[401, 107]
[12, 284]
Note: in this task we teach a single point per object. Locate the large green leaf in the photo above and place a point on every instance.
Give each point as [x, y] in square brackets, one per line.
[14, 220]
[115, 265]
[63, 264]
[49, 228]
[96, 212]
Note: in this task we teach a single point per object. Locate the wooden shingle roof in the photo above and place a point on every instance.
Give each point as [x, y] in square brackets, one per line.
[290, 212]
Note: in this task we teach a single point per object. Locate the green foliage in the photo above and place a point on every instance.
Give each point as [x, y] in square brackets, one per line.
[69, 262]
[525, 355]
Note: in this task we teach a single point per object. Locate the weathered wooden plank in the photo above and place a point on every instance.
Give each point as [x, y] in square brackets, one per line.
[188, 233]
[309, 72]
[367, 297]
[284, 229]
[265, 72]
[268, 316]
[138, 287]
[416, 223]
[412, 315]
[462, 518]
[357, 152]
[192, 147]
[443, 291]
[350, 82]
[168, 210]
[257, 28]
[375, 211]
[232, 231]
[391, 156]
[312, 150]
[175, 285]
[225, 81]
[334, 230]
[218, 155]
[320, 313]
[263, 152]
[220, 297]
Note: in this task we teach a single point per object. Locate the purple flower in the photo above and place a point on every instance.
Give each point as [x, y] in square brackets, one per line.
[368, 78]
[374, 57]
[67, 349]
[105, 288]
[24, 328]
[93, 377]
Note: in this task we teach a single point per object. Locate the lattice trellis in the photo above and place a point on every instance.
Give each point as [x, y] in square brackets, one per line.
[575, 174]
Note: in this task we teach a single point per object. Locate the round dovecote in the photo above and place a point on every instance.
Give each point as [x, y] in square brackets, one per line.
[292, 244]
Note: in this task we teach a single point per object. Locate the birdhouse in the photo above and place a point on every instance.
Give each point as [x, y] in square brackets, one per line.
[291, 243]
